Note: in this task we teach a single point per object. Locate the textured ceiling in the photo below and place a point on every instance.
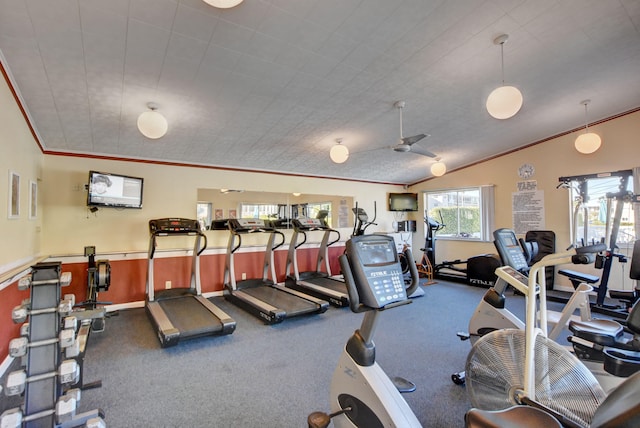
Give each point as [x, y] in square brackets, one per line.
[271, 84]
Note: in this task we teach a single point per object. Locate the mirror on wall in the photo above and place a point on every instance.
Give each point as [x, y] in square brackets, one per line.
[214, 206]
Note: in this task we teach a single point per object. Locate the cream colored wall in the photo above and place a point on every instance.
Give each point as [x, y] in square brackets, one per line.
[18, 153]
[169, 191]
[552, 159]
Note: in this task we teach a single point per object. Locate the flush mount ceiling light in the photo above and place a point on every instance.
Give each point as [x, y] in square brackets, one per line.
[439, 168]
[151, 123]
[223, 4]
[588, 142]
[339, 153]
[504, 102]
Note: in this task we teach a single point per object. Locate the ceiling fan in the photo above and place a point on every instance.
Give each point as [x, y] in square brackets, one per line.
[406, 144]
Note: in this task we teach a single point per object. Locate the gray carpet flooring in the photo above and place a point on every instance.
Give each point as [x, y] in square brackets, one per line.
[274, 376]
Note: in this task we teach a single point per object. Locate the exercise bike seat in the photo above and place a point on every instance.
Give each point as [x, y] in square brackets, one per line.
[601, 332]
[512, 417]
[610, 333]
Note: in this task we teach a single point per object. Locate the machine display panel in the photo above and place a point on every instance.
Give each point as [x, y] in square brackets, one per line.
[377, 253]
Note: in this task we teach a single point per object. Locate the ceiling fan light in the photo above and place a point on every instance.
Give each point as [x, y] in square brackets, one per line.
[223, 4]
[438, 169]
[339, 153]
[152, 124]
[588, 143]
[504, 102]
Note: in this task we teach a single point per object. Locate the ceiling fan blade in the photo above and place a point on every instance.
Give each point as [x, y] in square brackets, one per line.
[420, 151]
[413, 139]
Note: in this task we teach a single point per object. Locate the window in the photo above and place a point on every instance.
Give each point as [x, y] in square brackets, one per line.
[596, 198]
[466, 214]
[262, 211]
[316, 208]
[203, 212]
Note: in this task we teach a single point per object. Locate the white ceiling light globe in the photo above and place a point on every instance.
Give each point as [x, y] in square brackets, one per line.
[588, 143]
[504, 102]
[339, 153]
[223, 4]
[438, 169]
[152, 124]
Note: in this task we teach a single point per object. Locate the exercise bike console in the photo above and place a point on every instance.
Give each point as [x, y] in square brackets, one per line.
[372, 272]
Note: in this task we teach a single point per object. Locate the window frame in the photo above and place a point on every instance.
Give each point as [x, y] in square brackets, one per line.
[486, 210]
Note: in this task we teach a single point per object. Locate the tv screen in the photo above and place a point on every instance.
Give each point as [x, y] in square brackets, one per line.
[403, 202]
[113, 190]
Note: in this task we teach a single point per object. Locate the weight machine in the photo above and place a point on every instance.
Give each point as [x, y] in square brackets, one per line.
[605, 259]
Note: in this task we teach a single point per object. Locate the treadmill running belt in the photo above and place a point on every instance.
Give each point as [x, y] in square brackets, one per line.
[332, 284]
[190, 317]
[292, 305]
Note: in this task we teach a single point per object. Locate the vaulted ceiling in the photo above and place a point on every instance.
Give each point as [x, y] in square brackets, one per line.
[271, 84]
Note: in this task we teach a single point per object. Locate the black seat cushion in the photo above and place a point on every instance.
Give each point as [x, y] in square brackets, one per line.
[602, 332]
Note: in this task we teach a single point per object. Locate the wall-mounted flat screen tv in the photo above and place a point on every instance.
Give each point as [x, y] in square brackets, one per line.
[403, 202]
[114, 190]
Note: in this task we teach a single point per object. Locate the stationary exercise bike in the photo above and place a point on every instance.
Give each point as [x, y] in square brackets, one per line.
[512, 366]
[491, 313]
[362, 395]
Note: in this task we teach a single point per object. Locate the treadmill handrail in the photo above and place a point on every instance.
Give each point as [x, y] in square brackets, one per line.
[277, 232]
[154, 235]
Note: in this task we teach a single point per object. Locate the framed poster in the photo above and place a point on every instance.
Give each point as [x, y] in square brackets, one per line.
[14, 195]
[33, 199]
[233, 213]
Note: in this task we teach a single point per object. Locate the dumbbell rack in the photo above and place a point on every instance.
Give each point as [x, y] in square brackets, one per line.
[46, 401]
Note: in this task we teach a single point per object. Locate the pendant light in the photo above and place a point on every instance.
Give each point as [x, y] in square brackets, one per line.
[151, 123]
[504, 102]
[438, 168]
[223, 4]
[339, 153]
[588, 142]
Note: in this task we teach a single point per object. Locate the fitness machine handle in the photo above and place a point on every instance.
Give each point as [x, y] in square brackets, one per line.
[413, 269]
[335, 240]
[586, 255]
[277, 232]
[354, 301]
[204, 245]
[304, 238]
[591, 249]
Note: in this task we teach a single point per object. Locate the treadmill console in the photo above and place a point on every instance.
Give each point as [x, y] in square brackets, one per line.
[376, 270]
[174, 226]
[509, 249]
[305, 223]
[248, 225]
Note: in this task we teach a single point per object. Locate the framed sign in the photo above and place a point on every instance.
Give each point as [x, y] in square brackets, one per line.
[33, 199]
[14, 195]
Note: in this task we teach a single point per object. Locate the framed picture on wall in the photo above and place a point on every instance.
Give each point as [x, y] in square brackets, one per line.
[33, 199]
[233, 214]
[219, 214]
[14, 195]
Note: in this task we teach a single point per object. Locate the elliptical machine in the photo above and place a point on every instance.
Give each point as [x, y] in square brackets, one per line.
[362, 395]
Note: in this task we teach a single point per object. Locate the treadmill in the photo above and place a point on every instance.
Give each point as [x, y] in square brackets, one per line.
[318, 283]
[263, 297]
[182, 313]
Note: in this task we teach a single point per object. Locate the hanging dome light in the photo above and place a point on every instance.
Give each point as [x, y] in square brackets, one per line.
[152, 124]
[223, 4]
[504, 102]
[439, 168]
[588, 142]
[339, 153]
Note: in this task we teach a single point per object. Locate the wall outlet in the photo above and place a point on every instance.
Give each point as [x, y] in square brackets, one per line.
[244, 276]
[167, 284]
